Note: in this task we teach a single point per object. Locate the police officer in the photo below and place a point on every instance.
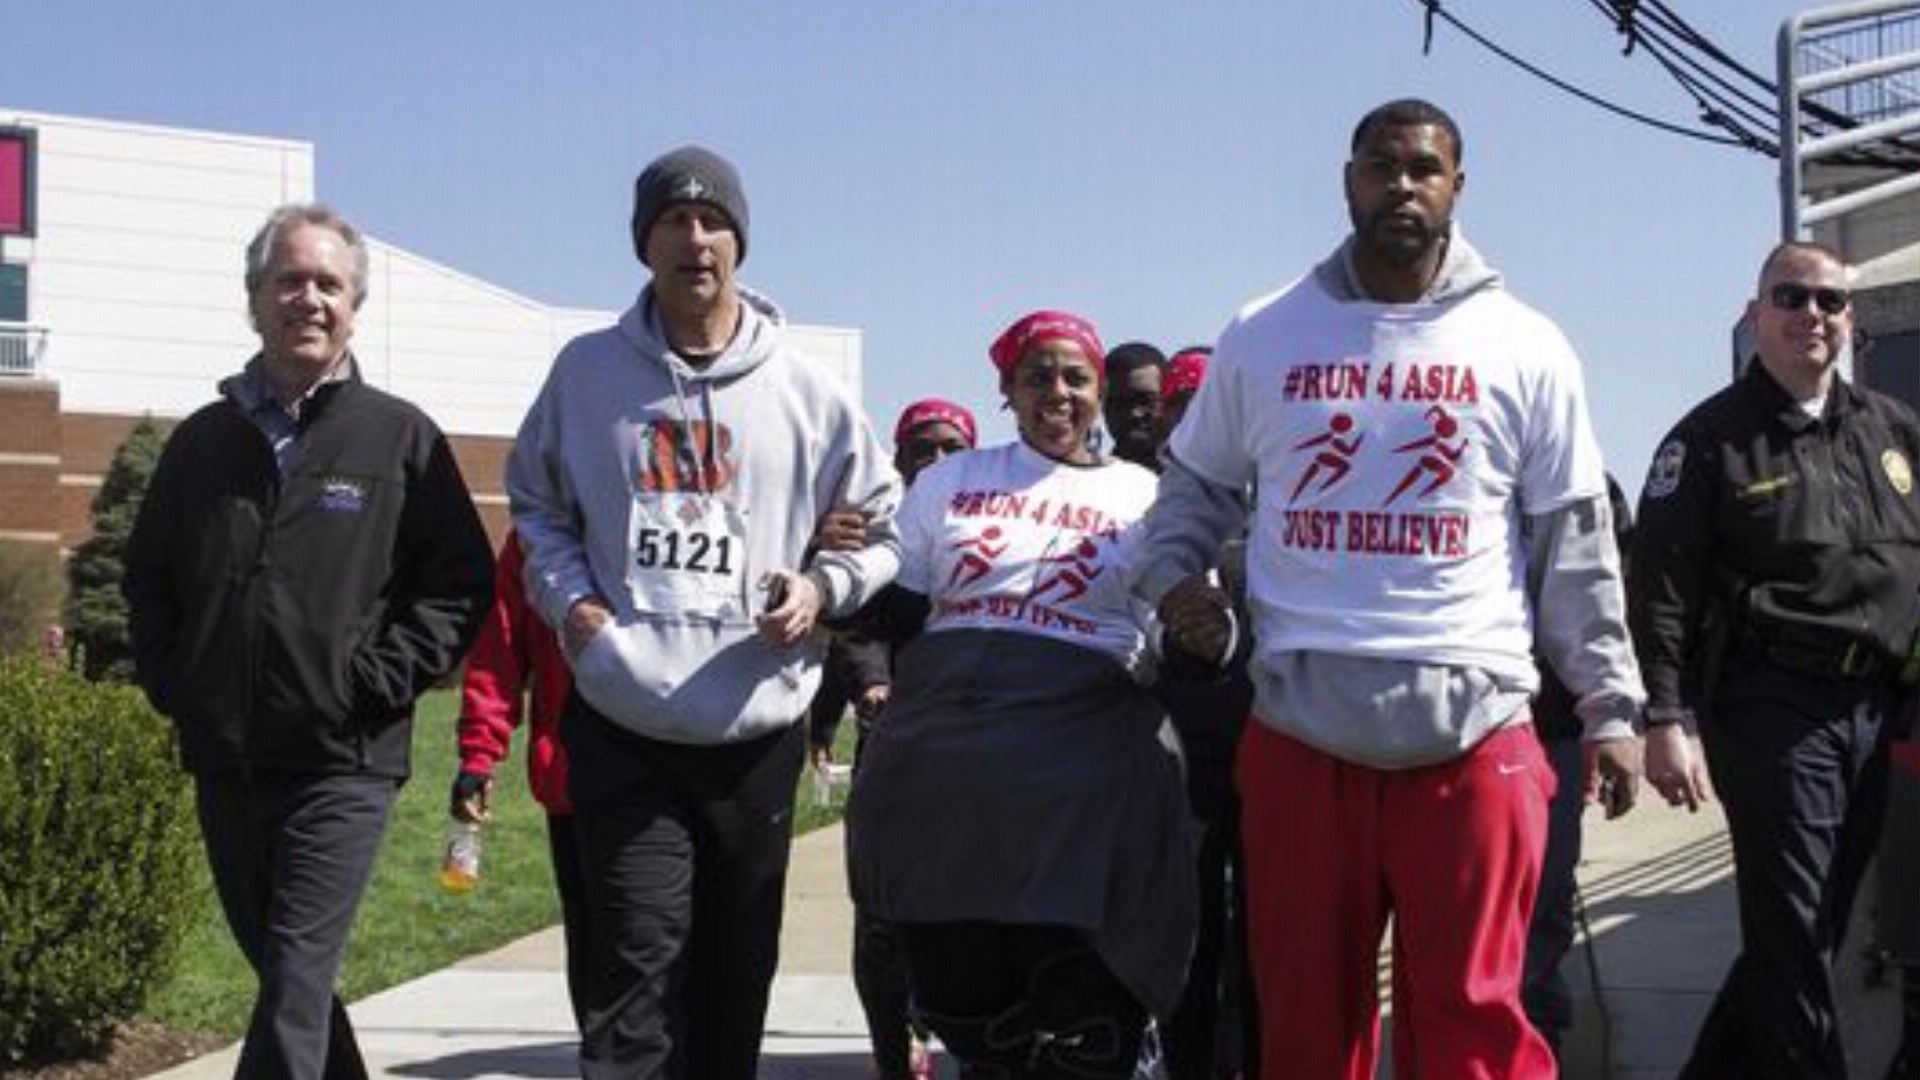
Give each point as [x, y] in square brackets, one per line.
[1773, 601]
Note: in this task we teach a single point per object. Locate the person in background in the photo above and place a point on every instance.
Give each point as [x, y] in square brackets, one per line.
[925, 432]
[515, 670]
[1775, 570]
[1179, 381]
[1019, 813]
[1550, 933]
[838, 530]
[1387, 426]
[306, 563]
[1131, 401]
[1215, 1031]
[666, 486]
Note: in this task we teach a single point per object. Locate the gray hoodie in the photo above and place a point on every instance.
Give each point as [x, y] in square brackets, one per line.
[669, 492]
[1389, 713]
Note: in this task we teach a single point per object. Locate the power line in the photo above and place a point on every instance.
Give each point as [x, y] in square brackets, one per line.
[1731, 97]
[1435, 10]
[1739, 111]
[1761, 97]
[1647, 21]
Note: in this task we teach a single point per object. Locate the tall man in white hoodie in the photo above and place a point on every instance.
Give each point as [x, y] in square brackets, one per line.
[1426, 485]
[665, 485]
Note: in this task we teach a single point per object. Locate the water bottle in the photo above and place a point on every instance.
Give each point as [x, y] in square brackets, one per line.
[460, 870]
[830, 783]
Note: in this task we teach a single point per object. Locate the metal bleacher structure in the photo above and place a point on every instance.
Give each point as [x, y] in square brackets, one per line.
[1849, 131]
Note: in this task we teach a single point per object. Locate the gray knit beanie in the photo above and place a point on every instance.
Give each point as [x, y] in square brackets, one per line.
[689, 174]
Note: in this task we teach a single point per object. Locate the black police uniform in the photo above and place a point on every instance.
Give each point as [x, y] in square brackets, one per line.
[1776, 592]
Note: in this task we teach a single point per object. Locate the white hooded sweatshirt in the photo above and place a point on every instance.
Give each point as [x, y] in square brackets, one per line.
[669, 492]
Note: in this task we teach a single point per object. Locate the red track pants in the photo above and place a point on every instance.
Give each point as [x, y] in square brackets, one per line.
[1451, 851]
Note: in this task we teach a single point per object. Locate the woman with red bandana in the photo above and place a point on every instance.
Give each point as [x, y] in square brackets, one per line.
[1019, 813]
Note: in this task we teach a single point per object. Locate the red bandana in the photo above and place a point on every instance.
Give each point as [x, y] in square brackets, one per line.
[1039, 328]
[935, 411]
[1184, 374]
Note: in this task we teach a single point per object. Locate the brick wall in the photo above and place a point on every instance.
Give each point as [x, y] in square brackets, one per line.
[483, 462]
[87, 443]
[29, 458]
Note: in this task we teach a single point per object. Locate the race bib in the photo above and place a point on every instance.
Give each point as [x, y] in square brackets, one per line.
[687, 555]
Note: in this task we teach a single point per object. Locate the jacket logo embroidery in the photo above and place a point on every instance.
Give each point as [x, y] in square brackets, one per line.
[343, 494]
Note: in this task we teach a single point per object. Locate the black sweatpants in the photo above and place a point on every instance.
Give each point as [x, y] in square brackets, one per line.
[1215, 1029]
[1801, 771]
[564, 849]
[886, 996]
[291, 854]
[880, 971]
[1544, 992]
[684, 854]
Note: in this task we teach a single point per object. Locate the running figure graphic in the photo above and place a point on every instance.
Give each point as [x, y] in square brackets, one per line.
[1075, 573]
[978, 561]
[1333, 463]
[1437, 458]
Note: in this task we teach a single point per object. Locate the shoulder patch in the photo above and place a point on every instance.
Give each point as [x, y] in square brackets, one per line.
[1663, 479]
[1899, 472]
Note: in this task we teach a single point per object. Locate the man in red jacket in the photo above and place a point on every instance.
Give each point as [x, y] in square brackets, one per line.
[515, 657]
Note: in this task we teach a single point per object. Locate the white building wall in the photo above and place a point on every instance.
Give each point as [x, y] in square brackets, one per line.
[137, 273]
[137, 262]
[472, 354]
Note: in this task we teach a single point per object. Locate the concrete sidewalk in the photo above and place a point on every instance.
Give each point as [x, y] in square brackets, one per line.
[1658, 894]
[505, 1014]
[1657, 887]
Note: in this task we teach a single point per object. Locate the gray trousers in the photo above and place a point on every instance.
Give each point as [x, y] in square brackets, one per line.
[291, 854]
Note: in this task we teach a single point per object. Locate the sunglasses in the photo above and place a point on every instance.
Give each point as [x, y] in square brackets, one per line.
[1792, 296]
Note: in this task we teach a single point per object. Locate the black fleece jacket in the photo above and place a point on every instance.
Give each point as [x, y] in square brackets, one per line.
[287, 623]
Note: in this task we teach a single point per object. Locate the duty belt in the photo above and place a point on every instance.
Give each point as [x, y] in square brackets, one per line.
[1854, 660]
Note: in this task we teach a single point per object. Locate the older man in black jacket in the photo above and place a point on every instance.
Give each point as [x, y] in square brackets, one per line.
[306, 562]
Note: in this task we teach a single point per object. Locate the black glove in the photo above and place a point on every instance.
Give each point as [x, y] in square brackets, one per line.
[468, 787]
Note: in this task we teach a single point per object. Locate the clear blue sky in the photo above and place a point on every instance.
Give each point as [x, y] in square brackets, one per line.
[928, 171]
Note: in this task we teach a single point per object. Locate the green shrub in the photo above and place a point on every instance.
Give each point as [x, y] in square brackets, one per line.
[32, 586]
[98, 859]
[96, 612]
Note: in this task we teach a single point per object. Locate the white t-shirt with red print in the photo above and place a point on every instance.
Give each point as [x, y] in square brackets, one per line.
[1394, 448]
[1009, 539]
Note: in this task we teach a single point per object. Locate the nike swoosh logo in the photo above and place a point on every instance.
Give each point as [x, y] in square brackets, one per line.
[1509, 770]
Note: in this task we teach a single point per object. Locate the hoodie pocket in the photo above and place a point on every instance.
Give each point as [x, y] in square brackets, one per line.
[600, 671]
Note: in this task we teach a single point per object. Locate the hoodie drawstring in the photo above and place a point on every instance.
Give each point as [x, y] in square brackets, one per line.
[705, 462]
